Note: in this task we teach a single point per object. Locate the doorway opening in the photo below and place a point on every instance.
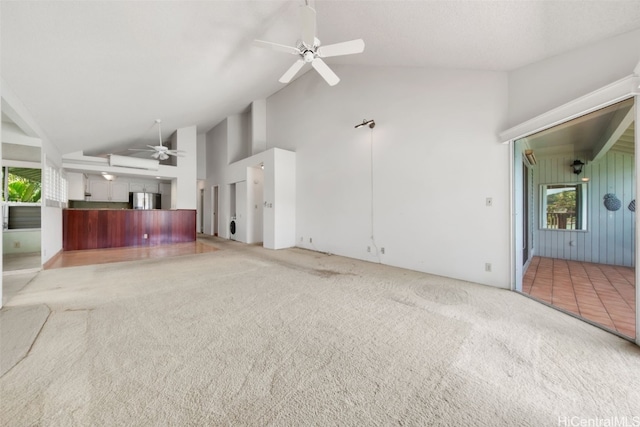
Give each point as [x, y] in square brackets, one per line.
[575, 235]
[21, 218]
[214, 210]
[200, 206]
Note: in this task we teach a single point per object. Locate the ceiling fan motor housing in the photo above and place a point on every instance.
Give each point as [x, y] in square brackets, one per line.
[308, 56]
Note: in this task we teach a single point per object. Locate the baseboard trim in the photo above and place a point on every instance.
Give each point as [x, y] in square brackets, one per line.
[47, 265]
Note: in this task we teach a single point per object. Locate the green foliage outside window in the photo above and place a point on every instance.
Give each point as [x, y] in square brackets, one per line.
[23, 190]
[562, 201]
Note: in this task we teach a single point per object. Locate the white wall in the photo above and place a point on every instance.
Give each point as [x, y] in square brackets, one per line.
[279, 193]
[283, 193]
[255, 207]
[29, 241]
[200, 189]
[239, 137]
[542, 86]
[241, 211]
[186, 197]
[609, 238]
[216, 167]
[201, 151]
[51, 226]
[258, 126]
[436, 158]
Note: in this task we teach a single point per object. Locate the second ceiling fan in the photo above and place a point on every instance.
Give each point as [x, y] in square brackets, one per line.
[309, 50]
[160, 151]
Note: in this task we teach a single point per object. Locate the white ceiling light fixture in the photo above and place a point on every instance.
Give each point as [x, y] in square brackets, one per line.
[309, 50]
[159, 151]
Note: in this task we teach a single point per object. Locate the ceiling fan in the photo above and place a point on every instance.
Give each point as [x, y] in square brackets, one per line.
[159, 151]
[309, 50]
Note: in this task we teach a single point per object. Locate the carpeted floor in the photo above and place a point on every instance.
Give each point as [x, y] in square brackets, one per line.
[247, 336]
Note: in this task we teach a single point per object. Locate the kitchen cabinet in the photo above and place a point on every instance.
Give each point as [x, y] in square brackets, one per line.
[75, 185]
[109, 191]
[119, 191]
[114, 228]
[139, 187]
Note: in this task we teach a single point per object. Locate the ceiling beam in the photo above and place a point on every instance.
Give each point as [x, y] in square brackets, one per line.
[602, 147]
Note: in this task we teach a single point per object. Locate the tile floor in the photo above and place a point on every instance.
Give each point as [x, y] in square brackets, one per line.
[604, 294]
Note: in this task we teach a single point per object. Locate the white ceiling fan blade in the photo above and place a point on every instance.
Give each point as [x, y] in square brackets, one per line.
[156, 154]
[326, 72]
[344, 48]
[292, 71]
[154, 148]
[175, 153]
[308, 24]
[277, 47]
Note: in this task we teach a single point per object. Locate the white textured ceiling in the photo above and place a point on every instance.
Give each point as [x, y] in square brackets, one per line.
[95, 75]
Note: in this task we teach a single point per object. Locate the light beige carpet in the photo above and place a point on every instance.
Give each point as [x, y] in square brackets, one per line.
[247, 336]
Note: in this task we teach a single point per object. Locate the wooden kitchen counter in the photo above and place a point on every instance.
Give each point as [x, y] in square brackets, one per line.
[116, 228]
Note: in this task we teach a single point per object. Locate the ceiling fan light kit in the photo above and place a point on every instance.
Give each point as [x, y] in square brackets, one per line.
[160, 152]
[309, 50]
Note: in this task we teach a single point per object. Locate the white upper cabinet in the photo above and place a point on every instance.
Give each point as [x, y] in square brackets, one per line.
[99, 191]
[76, 185]
[138, 187]
[109, 191]
[119, 191]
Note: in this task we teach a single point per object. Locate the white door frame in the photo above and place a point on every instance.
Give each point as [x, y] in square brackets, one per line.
[215, 221]
[620, 90]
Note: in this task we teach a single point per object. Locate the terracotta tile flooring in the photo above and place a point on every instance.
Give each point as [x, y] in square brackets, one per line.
[604, 294]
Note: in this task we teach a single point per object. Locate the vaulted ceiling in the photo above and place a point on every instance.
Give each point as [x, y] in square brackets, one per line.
[96, 74]
[592, 135]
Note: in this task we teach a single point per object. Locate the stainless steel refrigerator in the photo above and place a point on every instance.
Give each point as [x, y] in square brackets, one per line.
[145, 200]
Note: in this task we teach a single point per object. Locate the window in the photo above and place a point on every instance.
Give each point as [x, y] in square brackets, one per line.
[21, 196]
[22, 185]
[55, 192]
[563, 206]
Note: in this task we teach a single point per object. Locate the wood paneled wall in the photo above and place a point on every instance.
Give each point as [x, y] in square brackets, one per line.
[610, 235]
[96, 229]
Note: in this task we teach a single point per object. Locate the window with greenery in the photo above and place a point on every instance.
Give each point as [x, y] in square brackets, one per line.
[563, 206]
[22, 185]
[21, 195]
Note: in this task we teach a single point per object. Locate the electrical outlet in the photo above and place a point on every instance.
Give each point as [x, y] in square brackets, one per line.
[382, 251]
[489, 202]
[16, 244]
[368, 248]
[310, 240]
[487, 267]
[145, 236]
[302, 239]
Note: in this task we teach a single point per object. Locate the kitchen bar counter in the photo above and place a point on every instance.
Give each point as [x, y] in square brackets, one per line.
[116, 228]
